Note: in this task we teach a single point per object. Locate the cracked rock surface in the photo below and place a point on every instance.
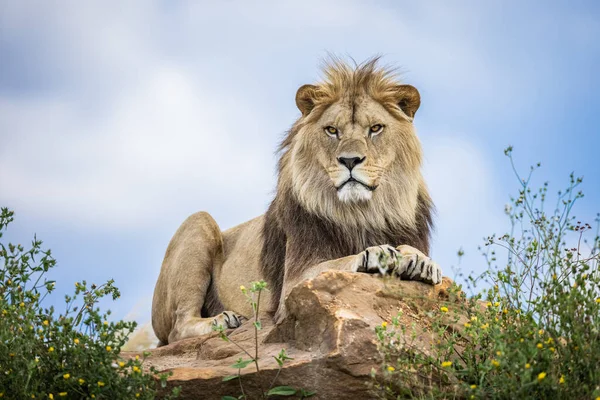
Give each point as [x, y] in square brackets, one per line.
[329, 333]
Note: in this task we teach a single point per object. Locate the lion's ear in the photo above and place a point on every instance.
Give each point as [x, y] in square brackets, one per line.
[305, 98]
[408, 99]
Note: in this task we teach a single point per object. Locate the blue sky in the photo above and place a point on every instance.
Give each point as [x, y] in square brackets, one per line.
[118, 120]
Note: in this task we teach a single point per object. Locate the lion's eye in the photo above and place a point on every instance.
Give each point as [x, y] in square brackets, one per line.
[375, 129]
[330, 130]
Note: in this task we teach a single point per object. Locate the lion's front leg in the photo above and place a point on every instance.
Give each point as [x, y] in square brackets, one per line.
[404, 261]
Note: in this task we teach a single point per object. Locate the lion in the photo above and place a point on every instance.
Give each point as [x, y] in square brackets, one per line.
[350, 196]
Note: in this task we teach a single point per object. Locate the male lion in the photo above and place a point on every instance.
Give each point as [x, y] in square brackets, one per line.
[349, 190]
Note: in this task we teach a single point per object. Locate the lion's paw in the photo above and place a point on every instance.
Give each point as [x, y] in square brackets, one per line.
[377, 260]
[405, 262]
[229, 320]
[415, 266]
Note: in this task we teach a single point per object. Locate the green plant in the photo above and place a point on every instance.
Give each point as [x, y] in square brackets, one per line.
[72, 355]
[531, 332]
[253, 295]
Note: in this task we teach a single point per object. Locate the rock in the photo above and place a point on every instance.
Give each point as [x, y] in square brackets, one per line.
[329, 333]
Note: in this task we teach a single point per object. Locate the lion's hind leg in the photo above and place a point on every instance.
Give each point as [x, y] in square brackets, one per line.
[184, 280]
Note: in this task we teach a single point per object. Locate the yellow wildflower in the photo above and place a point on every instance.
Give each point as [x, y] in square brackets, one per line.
[137, 357]
[22, 304]
[390, 368]
[446, 364]
[488, 304]
[136, 368]
[76, 341]
[384, 324]
[505, 311]
[473, 318]
[444, 309]
[539, 345]
[62, 394]
[100, 383]
[46, 323]
[598, 300]
[121, 364]
[562, 379]
[242, 288]
[67, 376]
[137, 395]
[541, 332]
[485, 326]
[105, 323]
[521, 340]
[108, 348]
[467, 325]
[552, 349]
[495, 363]
[527, 366]
[473, 386]
[51, 349]
[50, 396]
[541, 376]
[498, 353]
[497, 304]
[81, 381]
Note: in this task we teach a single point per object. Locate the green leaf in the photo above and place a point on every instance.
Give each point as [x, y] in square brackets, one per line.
[228, 398]
[241, 364]
[258, 325]
[282, 391]
[230, 377]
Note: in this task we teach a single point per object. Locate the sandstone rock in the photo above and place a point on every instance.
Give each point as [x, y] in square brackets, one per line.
[329, 333]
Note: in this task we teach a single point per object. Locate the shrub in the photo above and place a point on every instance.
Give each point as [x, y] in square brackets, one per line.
[532, 332]
[72, 355]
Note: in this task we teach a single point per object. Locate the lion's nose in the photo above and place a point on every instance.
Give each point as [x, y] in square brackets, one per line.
[350, 162]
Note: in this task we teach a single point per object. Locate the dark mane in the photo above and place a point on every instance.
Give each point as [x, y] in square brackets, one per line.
[314, 239]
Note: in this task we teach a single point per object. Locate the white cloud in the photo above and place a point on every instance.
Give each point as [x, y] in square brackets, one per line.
[172, 141]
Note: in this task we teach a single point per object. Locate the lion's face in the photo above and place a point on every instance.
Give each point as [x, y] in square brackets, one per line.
[354, 146]
[354, 153]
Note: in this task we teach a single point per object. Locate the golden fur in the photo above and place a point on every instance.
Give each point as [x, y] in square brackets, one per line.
[347, 193]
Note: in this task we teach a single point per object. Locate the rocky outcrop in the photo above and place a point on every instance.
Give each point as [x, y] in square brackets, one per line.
[329, 333]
